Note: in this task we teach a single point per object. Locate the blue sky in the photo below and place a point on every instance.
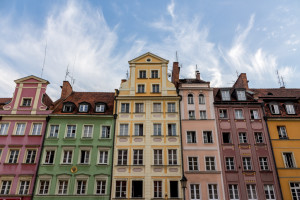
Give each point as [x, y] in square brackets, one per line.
[96, 39]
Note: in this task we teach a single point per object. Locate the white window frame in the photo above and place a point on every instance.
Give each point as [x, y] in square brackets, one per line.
[81, 189]
[23, 189]
[25, 101]
[156, 108]
[172, 157]
[210, 165]
[290, 109]
[124, 129]
[171, 107]
[65, 189]
[191, 137]
[254, 114]
[274, 108]
[138, 157]
[83, 107]
[222, 114]
[233, 192]
[13, 158]
[259, 138]
[100, 108]
[21, 130]
[201, 99]
[247, 163]
[190, 99]
[229, 163]
[139, 108]
[193, 164]
[138, 129]
[32, 157]
[69, 157]
[5, 189]
[269, 189]
[53, 132]
[213, 191]
[141, 88]
[124, 157]
[195, 191]
[155, 88]
[238, 114]
[44, 188]
[192, 114]
[225, 95]
[241, 95]
[157, 156]
[292, 161]
[87, 131]
[157, 189]
[153, 75]
[105, 131]
[143, 73]
[157, 131]
[4, 128]
[123, 184]
[103, 156]
[251, 191]
[125, 107]
[87, 156]
[72, 133]
[173, 130]
[263, 163]
[282, 133]
[243, 139]
[203, 114]
[206, 138]
[103, 186]
[295, 190]
[50, 155]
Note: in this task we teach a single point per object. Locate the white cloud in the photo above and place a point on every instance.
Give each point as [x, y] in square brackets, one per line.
[170, 8]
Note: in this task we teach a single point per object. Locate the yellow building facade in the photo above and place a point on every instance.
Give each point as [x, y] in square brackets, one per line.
[147, 154]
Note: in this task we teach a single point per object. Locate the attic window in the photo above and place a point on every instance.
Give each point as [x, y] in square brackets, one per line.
[274, 108]
[148, 59]
[289, 107]
[83, 107]
[241, 95]
[68, 107]
[100, 107]
[225, 95]
[269, 93]
[26, 102]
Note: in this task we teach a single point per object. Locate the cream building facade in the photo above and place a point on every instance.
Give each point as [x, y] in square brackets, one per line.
[147, 153]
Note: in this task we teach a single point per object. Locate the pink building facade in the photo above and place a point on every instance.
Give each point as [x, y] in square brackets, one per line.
[201, 156]
[23, 120]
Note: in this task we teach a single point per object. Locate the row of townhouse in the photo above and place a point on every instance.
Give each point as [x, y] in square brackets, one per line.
[153, 138]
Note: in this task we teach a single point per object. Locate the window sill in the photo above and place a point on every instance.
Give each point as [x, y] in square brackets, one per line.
[240, 120]
[34, 135]
[154, 78]
[171, 112]
[102, 164]
[155, 92]
[142, 78]
[68, 138]
[83, 164]
[28, 163]
[139, 113]
[265, 171]
[138, 136]
[260, 144]
[65, 164]
[52, 138]
[284, 138]
[10, 163]
[231, 171]
[157, 112]
[255, 120]
[122, 135]
[227, 144]
[157, 136]
[46, 164]
[87, 138]
[172, 136]
[124, 112]
[104, 139]
[3, 135]
[18, 135]
[140, 92]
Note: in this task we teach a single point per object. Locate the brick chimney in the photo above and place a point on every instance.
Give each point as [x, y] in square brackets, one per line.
[66, 90]
[175, 73]
[197, 75]
[241, 82]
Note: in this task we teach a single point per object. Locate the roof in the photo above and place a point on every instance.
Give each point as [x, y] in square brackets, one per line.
[277, 92]
[4, 101]
[47, 101]
[191, 80]
[90, 97]
[31, 77]
[148, 54]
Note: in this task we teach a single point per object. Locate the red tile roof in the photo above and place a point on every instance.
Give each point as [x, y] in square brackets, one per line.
[4, 101]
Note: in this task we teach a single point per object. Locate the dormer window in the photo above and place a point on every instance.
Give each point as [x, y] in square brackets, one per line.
[100, 107]
[274, 108]
[241, 95]
[225, 95]
[26, 102]
[84, 107]
[68, 107]
[142, 74]
[289, 107]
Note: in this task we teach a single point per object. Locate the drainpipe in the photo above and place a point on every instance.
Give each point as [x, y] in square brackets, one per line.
[113, 147]
[40, 158]
[272, 153]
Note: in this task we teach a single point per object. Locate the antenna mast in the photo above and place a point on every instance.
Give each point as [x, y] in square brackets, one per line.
[176, 57]
[278, 77]
[44, 60]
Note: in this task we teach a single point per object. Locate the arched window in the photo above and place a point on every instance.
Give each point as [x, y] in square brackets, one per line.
[190, 99]
[201, 99]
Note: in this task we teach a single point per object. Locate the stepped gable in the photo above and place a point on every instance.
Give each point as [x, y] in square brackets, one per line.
[89, 97]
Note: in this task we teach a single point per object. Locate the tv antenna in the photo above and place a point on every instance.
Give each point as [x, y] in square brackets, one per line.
[237, 73]
[283, 84]
[279, 80]
[127, 75]
[68, 75]
[44, 60]
[196, 67]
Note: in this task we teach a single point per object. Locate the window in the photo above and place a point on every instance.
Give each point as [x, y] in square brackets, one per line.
[68, 107]
[157, 107]
[207, 137]
[223, 114]
[274, 108]
[157, 129]
[26, 102]
[123, 129]
[171, 107]
[238, 114]
[155, 88]
[103, 157]
[174, 189]
[195, 191]
[137, 189]
[24, 187]
[259, 137]
[233, 192]
[263, 162]
[120, 189]
[230, 163]
[84, 157]
[125, 108]
[139, 107]
[241, 95]
[44, 187]
[191, 137]
[63, 187]
[13, 156]
[100, 108]
[81, 187]
[20, 130]
[141, 88]
[251, 191]
[105, 132]
[158, 157]
[49, 157]
[225, 95]
[210, 163]
[203, 114]
[138, 157]
[171, 129]
[172, 156]
[154, 73]
[138, 129]
[295, 189]
[122, 157]
[254, 114]
[226, 138]
[4, 128]
[201, 99]
[5, 187]
[87, 131]
[67, 157]
[30, 156]
[193, 163]
[54, 131]
[213, 191]
[190, 99]
[290, 109]
[157, 189]
[71, 131]
[269, 192]
[142, 74]
[288, 159]
[191, 114]
[100, 187]
[282, 132]
[243, 138]
[83, 108]
[247, 163]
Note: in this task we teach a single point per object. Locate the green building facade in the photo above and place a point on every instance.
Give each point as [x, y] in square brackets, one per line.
[76, 160]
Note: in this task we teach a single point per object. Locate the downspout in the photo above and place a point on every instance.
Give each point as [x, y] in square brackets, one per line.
[40, 158]
[113, 147]
[272, 152]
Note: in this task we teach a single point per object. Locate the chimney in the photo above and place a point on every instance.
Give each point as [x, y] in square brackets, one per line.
[123, 80]
[241, 82]
[197, 75]
[175, 73]
[66, 90]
